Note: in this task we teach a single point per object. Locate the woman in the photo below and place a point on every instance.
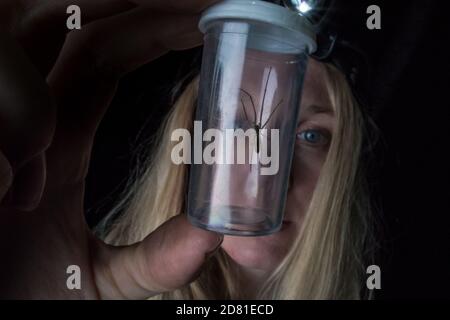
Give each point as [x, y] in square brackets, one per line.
[54, 93]
[318, 254]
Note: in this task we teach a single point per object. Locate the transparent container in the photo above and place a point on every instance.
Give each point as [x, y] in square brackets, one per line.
[253, 66]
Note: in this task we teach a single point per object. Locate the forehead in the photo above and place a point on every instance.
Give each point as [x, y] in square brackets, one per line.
[314, 87]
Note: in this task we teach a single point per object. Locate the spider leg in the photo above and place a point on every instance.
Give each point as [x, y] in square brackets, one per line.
[273, 112]
[251, 100]
[264, 97]
[245, 112]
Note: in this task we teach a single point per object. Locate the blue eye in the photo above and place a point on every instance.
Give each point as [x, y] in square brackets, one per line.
[315, 137]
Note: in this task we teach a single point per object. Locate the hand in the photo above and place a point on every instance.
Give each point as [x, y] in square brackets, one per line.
[53, 94]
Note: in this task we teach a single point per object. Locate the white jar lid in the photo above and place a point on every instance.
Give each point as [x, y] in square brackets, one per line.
[263, 12]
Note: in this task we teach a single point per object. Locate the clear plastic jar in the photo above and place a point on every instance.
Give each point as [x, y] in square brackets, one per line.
[253, 66]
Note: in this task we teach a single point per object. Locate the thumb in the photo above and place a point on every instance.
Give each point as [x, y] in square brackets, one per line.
[168, 259]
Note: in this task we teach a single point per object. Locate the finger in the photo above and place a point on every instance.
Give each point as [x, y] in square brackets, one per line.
[49, 18]
[27, 113]
[168, 259]
[41, 28]
[6, 176]
[27, 117]
[51, 10]
[29, 181]
[186, 6]
[86, 75]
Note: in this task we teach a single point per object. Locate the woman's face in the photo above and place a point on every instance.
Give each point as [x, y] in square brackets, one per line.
[314, 133]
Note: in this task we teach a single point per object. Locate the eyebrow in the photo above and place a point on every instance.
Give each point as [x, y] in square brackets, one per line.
[314, 109]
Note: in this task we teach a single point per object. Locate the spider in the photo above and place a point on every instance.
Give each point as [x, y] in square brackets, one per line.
[258, 123]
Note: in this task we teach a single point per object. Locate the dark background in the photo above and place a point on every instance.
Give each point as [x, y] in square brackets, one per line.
[408, 95]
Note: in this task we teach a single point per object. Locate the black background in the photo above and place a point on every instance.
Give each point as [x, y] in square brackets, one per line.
[409, 90]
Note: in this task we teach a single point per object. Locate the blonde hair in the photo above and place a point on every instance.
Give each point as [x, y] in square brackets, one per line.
[326, 259]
